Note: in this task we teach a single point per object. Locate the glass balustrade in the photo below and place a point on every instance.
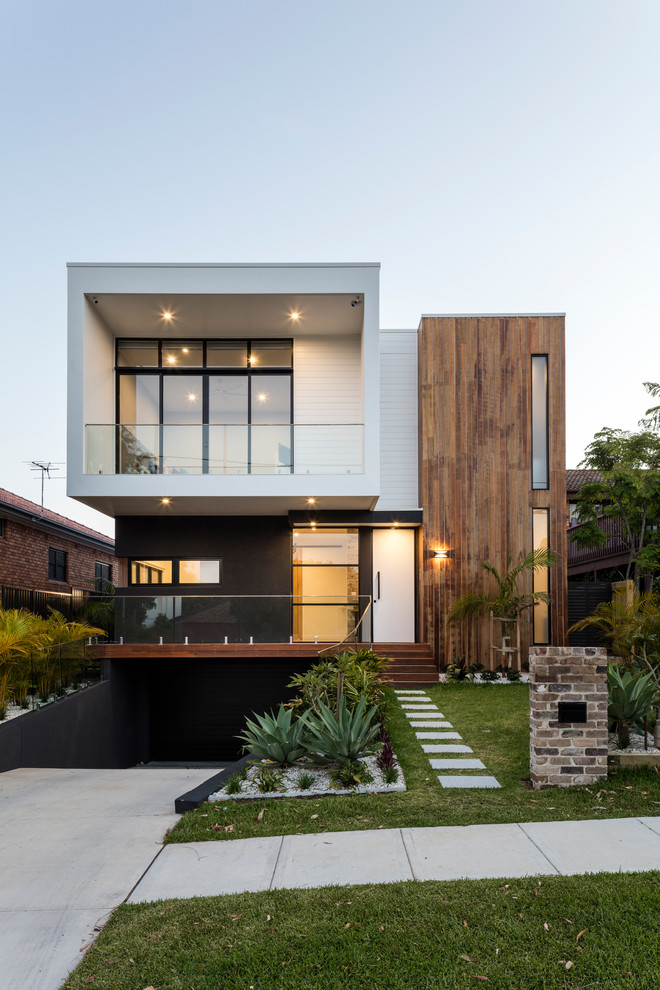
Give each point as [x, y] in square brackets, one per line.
[237, 618]
[224, 449]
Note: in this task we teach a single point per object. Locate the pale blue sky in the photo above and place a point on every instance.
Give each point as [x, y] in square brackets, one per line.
[493, 156]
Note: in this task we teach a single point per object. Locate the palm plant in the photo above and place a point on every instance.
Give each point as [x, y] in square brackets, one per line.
[21, 632]
[628, 625]
[509, 602]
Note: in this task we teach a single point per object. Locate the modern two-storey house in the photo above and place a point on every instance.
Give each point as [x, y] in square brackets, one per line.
[286, 476]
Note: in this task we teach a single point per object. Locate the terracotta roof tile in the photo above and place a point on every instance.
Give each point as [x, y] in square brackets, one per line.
[575, 478]
[18, 502]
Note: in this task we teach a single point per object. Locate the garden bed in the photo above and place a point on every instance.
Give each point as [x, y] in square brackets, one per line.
[321, 783]
[634, 755]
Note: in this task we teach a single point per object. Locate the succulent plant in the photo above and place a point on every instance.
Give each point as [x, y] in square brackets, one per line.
[277, 738]
[342, 738]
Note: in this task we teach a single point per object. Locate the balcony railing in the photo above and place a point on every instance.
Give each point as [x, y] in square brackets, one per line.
[614, 547]
[237, 618]
[224, 449]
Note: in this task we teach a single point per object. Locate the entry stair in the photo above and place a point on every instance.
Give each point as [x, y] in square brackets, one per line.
[413, 663]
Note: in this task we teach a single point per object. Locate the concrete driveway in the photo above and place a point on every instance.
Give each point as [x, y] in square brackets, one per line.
[73, 844]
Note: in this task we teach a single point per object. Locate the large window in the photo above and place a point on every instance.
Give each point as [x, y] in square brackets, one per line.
[175, 571]
[205, 407]
[540, 468]
[541, 525]
[325, 584]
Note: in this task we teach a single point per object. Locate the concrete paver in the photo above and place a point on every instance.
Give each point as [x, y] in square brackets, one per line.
[365, 857]
[73, 843]
[473, 852]
[203, 869]
[612, 844]
[457, 764]
[468, 781]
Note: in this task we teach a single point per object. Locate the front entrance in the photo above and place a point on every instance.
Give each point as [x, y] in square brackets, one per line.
[394, 585]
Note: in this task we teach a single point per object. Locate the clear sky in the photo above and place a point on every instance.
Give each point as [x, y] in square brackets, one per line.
[493, 156]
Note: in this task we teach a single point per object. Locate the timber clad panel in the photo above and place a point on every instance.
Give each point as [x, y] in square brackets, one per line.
[475, 466]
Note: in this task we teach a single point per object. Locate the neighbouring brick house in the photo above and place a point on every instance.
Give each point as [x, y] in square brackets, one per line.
[47, 559]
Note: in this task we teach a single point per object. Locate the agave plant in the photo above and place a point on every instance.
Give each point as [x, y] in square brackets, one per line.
[277, 738]
[345, 737]
[632, 696]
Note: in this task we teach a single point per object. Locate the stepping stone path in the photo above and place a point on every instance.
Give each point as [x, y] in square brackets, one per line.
[424, 715]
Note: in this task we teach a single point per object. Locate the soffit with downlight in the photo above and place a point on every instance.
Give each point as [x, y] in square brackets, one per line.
[211, 315]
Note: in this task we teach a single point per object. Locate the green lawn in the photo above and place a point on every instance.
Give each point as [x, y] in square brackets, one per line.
[556, 933]
[494, 721]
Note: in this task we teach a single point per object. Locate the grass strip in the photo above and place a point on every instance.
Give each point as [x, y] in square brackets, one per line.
[494, 721]
[559, 932]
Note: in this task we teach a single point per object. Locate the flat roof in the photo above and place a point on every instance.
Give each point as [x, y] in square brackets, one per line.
[481, 316]
[213, 264]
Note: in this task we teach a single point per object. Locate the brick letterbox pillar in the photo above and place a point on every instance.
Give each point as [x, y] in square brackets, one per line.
[568, 715]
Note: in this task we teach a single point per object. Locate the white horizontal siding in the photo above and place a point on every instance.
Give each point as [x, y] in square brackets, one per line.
[327, 386]
[398, 420]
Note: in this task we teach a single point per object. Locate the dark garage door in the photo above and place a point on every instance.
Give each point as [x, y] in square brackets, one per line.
[198, 706]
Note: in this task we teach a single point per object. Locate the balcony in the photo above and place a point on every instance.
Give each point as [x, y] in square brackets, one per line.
[236, 619]
[613, 553]
[224, 449]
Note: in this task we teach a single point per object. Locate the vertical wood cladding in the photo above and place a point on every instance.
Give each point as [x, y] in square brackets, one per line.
[475, 457]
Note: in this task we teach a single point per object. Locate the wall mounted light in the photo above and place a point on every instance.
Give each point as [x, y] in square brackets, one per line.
[442, 554]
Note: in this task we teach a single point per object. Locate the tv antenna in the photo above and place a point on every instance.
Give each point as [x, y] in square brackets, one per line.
[45, 467]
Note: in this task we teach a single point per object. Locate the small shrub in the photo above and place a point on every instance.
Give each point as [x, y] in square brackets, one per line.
[3, 712]
[390, 774]
[268, 780]
[350, 774]
[233, 785]
[25, 703]
[489, 675]
[386, 757]
[304, 781]
[512, 674]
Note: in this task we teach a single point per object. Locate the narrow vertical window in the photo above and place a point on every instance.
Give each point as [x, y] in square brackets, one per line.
[540, 421]
[540, 522]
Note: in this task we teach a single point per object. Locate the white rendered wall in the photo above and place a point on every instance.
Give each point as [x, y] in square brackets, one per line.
[327, 386]
[398, 420]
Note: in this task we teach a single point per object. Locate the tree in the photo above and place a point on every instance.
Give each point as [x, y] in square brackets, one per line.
[628, 465]
[509, 602]
[652, 422]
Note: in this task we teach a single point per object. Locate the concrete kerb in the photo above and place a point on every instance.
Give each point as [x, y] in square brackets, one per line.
[198, 795]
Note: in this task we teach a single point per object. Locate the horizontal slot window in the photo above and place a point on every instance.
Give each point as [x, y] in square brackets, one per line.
[151, 572]
[176, 571]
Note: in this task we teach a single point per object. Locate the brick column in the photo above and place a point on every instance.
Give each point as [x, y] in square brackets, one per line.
[568, 752]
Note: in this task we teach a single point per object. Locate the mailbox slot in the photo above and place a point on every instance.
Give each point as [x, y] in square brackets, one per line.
[572, 711]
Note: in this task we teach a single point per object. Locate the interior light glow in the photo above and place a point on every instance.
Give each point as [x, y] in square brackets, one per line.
[262, 397]
[185, 350]
[171, 359]
[191, 396]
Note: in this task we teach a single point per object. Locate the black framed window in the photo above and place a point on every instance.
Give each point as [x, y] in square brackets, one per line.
[56, 565]
[176, 570]
[2, 528]
[204, 406]
[540, 433]
[102, 574]
[541, 579]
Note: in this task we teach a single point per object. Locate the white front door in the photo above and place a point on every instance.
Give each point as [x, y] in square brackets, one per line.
[394, 585]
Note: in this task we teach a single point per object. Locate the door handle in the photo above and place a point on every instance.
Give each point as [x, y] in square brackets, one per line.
[377, 586]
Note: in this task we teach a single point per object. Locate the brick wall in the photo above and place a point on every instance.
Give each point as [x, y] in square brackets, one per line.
[566, 753]
[24, 559]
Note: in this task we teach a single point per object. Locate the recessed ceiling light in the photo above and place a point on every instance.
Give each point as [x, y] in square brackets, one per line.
[191, 396]
[262, 396]
[185, 350]
[167, 315]
[311, 501]
[171, 359]
[295, 315]
[165, 501]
